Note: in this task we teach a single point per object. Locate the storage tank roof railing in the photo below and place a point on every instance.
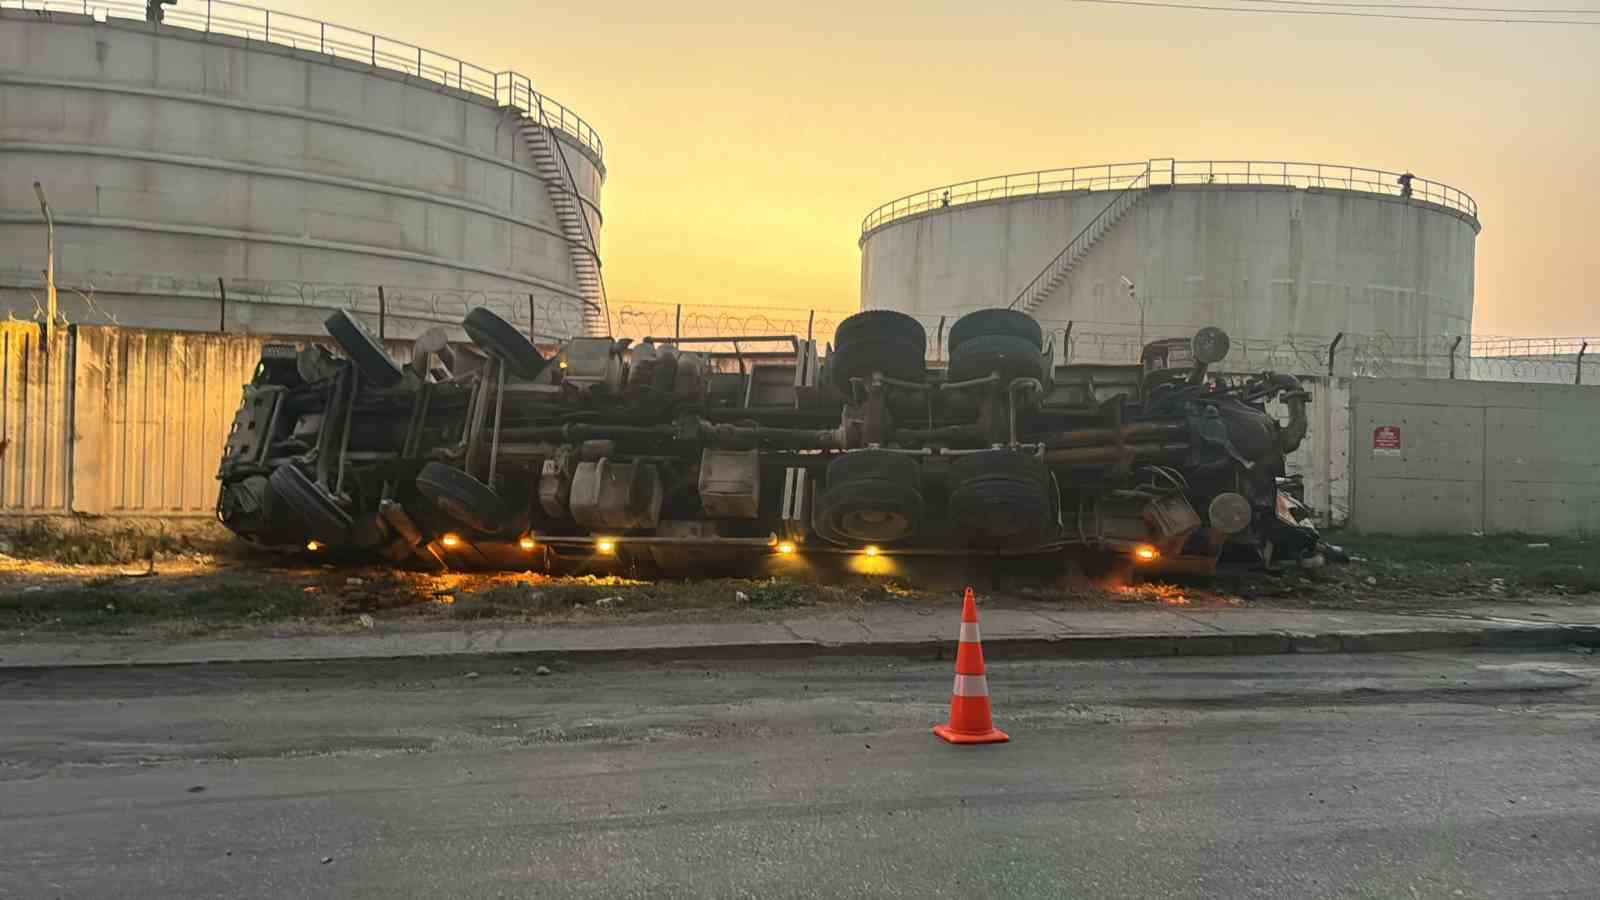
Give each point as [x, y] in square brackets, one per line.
[1116, 176]
[255, 23]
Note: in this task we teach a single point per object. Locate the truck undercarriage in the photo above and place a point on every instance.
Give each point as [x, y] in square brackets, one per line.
[696, 452]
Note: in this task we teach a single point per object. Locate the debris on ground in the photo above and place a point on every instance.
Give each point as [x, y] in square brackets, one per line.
[542, 670]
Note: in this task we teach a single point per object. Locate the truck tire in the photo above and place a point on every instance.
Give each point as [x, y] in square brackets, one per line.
[461, 497]
[1002, 464]
[363, 349]
[1000, 498]
[880, 323]
[870, 511]
[986, 322]
[324, 519]
[878, 340]
[1011, 356]
[882, 465]
[502, 340]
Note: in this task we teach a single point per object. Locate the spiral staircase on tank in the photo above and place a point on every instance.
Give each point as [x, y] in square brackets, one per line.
[549, 161]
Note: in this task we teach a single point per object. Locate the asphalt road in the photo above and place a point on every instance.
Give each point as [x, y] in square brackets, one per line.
[1314, 776]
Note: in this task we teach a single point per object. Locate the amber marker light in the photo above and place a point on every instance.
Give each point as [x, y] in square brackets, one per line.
[606, 546]
[451, 540]
[1146, 553]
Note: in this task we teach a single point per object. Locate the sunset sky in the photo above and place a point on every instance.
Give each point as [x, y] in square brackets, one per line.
[746, 140]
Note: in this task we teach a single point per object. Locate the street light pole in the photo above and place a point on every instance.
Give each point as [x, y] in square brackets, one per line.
[49, 265]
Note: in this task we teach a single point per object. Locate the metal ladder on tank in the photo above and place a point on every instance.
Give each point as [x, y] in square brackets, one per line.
[1056, 270]
[550, 163]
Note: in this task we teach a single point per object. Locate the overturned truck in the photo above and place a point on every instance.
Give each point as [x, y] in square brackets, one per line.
[686, 452]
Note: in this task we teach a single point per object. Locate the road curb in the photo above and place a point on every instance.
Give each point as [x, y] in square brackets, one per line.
[999, 649]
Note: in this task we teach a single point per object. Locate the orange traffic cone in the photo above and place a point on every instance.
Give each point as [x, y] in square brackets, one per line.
[969, 702]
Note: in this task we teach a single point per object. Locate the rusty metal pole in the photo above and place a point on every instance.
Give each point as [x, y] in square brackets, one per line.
[811, 319]
[677, 323]
[1332, 349]
[383, 315]
[1577, 378]
[222, 313]
[50, 265]
[1453, 346]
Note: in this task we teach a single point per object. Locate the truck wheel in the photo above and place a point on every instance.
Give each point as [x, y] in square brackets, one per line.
[1011, 356]
[1000, 497]
[363, 349]
[880, 323]
[986, 322]
[878, 340]
[882, 465]
[870, 511]
[461, 497]
[325, 520]
[502, 340]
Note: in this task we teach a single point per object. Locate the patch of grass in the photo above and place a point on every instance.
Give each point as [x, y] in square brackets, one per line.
[116, 603]
[620, 595]
[81, 545]
[1501, 563]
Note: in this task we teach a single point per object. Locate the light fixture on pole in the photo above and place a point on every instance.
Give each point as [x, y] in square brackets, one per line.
[1134, 296]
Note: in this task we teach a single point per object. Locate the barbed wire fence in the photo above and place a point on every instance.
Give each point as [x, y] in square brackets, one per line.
[548, 317]
[1484, 358]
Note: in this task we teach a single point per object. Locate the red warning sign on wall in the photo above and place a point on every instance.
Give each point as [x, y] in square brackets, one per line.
[1386, 440]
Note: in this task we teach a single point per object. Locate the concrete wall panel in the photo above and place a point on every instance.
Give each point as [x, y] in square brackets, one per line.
[35, 438]
[1476, 456]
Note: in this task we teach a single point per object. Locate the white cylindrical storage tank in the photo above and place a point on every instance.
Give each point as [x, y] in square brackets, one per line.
[301, 163]
[1284, 256]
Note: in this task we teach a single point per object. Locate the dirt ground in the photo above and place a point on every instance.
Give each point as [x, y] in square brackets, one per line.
[194, 589]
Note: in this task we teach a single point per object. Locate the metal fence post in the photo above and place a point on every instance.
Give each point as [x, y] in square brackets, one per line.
[1332, 349]
[383, 314]
[1577, 378]
[677, 322]
[1453, 347]
[222, 318]
[531, 315]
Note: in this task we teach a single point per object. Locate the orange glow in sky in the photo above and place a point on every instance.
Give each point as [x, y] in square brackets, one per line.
[746, 140]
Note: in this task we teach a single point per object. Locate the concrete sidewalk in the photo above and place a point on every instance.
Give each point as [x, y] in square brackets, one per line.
[887, 630]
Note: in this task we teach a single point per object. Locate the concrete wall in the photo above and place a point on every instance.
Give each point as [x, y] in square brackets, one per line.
[171, 154]
[1475, 456]
[1263, 262]
[115, 422]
